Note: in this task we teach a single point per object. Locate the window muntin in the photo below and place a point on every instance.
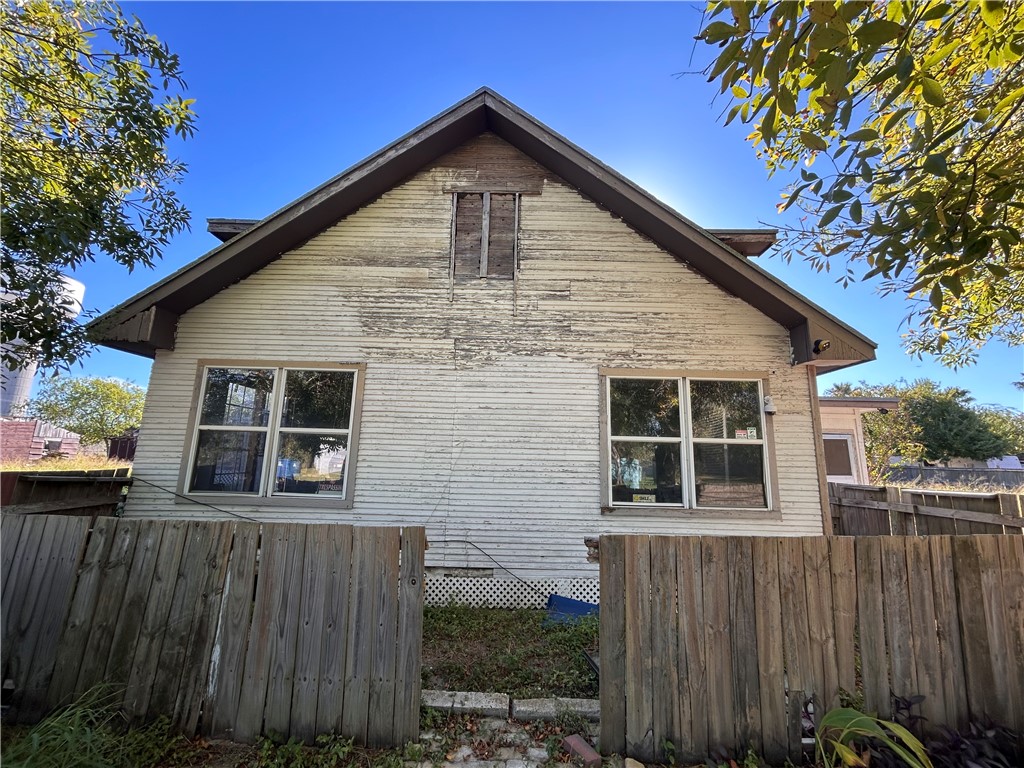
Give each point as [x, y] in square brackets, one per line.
[686, 442]
[302, 417]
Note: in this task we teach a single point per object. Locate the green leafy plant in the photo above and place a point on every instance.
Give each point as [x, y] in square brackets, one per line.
[91, 106]
[899, 122]
[843, 735]
[92, 732]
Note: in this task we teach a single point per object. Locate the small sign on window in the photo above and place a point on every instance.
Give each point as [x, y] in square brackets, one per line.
[741, 434]
[751, 433]
[645, 498]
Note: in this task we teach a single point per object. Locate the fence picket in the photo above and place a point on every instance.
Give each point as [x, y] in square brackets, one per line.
[331, 693]
[167, 608]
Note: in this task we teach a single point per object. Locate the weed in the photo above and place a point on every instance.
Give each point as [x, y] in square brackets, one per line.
[508, 651]
[92, 732]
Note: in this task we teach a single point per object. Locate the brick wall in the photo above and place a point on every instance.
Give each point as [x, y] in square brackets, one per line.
[16, 440]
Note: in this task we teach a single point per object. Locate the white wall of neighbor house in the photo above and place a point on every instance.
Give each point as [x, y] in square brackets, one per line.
[481, 415]
[843, 420]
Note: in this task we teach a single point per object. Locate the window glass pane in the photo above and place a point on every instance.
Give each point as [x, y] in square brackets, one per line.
[318, 399]
[229, 461]
[837, 456]
[726, 409]
[646, 473]
[311, 464]
[237, 397]
[729, 475]
[645, 407]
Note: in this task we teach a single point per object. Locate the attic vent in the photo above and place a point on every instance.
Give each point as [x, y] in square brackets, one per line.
[484, 244]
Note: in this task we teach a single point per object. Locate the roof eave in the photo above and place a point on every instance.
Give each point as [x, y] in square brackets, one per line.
[485, 110]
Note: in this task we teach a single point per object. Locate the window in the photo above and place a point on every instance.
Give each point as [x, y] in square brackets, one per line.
[303, 419]
[484, 242]
[686, 442]
[839, 457]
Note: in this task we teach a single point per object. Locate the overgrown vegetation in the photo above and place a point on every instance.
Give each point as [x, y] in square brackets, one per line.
[507, 651]
[81, 463]
[932, 423]
[91, 732]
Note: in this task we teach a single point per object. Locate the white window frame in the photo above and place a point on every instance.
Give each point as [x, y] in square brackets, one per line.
[267, 493]
[686, 441]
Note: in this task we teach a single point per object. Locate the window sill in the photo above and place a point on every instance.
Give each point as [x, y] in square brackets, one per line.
[689, 512]
[263, 503]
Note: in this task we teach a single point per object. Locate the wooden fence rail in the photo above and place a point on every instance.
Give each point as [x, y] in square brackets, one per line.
[709, 642]
[232, 629]
[864, 510]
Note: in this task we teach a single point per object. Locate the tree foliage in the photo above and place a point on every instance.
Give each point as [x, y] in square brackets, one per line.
[932, 424]
[907, 118]
[88, 109]
[97, 409]
[1007, 423]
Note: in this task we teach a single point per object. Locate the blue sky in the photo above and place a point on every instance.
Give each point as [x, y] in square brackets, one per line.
[290, 94]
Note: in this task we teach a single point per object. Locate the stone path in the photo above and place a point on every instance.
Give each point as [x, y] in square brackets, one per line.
[499, 742]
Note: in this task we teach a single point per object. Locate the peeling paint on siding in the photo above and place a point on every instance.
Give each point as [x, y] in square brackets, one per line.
[480, 422]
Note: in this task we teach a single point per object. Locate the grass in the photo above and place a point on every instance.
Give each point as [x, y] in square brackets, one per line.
[507, 651]
[90, 732]
[70, 464]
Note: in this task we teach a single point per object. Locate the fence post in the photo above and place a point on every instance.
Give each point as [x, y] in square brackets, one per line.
[1010, 505]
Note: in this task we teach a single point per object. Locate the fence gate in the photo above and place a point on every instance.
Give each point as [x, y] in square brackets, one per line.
[232, 629]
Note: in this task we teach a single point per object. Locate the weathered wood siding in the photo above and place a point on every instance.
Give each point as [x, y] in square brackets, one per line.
[481, 414]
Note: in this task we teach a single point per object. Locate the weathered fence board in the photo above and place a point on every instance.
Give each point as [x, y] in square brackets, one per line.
[164, 612]
[860, 510]
[714, 642]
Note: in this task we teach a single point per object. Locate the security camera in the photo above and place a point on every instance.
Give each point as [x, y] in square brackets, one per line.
[769, 406]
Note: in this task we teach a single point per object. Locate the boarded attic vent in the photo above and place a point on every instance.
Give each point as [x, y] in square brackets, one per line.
[485, 234]
[228, 229]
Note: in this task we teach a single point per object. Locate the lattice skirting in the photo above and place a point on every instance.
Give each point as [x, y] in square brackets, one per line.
[507, 593]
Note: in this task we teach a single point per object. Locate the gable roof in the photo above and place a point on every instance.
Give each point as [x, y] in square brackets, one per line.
[146, 322]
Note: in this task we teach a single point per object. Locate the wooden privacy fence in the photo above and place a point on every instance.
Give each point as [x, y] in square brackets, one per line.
[232, 629]
[864, 510]
[93, 492]
[709, 642]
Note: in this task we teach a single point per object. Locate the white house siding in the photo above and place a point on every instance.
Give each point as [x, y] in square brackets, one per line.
[481, 415]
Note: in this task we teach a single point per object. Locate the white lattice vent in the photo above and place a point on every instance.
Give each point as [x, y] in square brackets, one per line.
[507, 593]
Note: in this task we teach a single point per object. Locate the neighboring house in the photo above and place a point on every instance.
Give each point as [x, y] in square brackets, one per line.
[842, 428]
[31, 440]
[484, 330]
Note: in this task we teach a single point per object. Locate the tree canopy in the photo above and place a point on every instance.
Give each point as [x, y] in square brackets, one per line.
[89, 105]
[906, 121]
[932, 423]
[97, 409]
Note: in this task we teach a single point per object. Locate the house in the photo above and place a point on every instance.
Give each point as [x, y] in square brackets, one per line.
[484, 330]
[842, 428]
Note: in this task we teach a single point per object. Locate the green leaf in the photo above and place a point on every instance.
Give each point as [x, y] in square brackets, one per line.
[864, 134]
[935, 164]
[993, 12]
[905, 67]
[932, 92]
[856, 211]
[827, 38]
[878, 32]
[813, 141]
[830, 216]
[935, 298]
[939, 11]
[787, 104]
[717, 31]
